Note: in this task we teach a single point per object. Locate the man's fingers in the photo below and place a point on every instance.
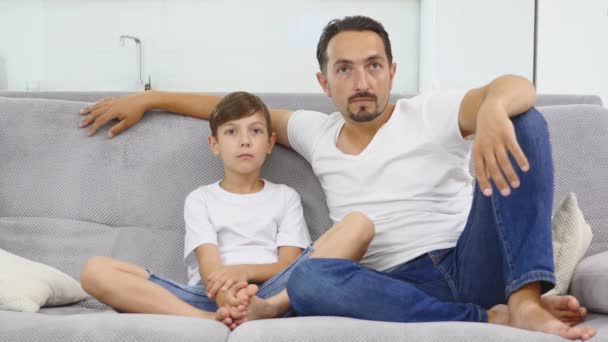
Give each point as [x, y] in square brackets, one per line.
[98, 123]
[94, 106]
[496, 174]
[118, 128]
[519, 156]
[506, 167]
[482, 176]
[92, 116]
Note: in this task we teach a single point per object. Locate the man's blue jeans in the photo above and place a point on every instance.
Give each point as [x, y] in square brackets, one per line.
[505, 245]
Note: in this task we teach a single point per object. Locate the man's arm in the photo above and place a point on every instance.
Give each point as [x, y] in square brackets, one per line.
[486, 112]
[131, 108]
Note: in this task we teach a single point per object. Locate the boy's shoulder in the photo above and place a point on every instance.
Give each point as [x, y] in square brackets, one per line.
[202, 191]
[285, 191]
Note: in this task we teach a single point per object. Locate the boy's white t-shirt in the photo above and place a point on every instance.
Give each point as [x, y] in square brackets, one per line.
[412, 179]
[247, 228]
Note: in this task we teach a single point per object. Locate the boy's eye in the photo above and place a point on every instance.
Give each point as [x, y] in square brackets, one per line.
[230, 131]
[257, 131]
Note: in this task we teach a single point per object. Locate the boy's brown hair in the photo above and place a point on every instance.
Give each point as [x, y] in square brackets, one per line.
[238, 105]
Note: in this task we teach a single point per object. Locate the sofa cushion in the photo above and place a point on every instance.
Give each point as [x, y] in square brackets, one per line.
[579, 135]
[67, 244]
[571, 238]
[338, 329]
[26, 285]
[29, 327]
[590, 283]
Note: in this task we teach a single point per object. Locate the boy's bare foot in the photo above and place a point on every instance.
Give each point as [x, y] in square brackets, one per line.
[565, 308]
[531, 315]
[233, 316]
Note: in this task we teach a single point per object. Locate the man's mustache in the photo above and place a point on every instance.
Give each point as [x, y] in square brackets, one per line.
[362, 95]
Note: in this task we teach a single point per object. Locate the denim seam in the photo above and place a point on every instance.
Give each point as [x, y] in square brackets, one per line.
[268, 283]
[529, 277]
[180, 286]
[500, 227]
[450, 282]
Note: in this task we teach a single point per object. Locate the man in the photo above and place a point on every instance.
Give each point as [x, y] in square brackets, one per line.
[439, 253]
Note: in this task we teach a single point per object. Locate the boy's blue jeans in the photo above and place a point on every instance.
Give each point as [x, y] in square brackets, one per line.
[505, 244]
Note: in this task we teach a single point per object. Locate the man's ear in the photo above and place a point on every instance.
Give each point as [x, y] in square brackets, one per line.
[213, 145]
[393, 71]
[322, 79]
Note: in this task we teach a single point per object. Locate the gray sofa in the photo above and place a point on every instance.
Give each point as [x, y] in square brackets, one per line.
[65, 197]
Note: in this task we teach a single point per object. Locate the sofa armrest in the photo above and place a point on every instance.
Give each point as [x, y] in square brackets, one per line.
[590, 283]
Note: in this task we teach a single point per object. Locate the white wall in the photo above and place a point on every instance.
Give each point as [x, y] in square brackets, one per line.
[212, 45]
[21, 44]
[467, 43]
[573, 47]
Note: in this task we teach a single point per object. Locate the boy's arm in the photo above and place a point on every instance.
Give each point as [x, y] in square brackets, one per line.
[209, 260]
[131, 108]
[253, 273]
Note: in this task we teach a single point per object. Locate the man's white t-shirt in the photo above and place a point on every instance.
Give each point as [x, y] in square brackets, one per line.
[247, 228]
[412, 179]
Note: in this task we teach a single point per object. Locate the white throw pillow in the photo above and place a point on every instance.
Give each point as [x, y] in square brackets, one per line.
[571, 238]
[26, 285]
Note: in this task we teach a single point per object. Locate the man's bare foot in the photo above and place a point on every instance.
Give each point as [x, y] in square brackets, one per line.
[499, 314]
[532, 316]
[565, 308]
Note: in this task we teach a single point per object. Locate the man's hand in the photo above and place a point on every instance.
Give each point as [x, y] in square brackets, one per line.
[224, 278]
[127, 109]
[495, 139]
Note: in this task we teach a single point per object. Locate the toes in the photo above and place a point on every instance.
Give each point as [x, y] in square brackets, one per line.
[572, 303]
[252, 290]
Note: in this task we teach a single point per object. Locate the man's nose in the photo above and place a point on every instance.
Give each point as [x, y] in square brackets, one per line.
[361, 81]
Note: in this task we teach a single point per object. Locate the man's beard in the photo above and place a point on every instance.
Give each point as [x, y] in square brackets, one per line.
[364, 114]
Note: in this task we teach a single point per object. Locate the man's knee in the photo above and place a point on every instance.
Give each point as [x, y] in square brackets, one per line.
[93, 271]
[360, 227]
[312, 279]
[531, 122]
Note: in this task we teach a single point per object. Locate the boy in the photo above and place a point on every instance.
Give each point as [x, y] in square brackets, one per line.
[240, 231]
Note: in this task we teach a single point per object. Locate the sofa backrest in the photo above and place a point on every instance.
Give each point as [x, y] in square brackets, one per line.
[124, 197]
[315, 101]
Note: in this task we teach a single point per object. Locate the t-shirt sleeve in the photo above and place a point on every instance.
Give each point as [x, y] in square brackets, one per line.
[293, 230]
[198, 227]
[303, 128]
[440, 111]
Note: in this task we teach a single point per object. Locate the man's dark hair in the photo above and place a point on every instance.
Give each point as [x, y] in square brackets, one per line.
[353, 23]
[238, 105]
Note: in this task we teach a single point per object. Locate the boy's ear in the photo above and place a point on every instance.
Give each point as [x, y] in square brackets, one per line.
[213, 145]
[271, 141]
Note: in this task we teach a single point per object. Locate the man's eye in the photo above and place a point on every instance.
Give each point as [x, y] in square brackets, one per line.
[376, 66]
[343, 69]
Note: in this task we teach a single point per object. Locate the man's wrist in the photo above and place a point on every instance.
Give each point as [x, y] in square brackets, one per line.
[151, 99]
